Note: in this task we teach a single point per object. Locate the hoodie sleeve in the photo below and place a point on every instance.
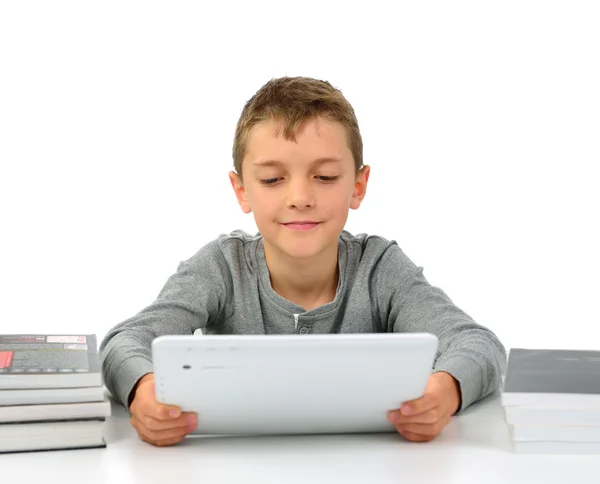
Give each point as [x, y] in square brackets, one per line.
[190, 299]
[468, 351]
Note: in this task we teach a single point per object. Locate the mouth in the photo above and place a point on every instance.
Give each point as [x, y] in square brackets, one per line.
[301, 225]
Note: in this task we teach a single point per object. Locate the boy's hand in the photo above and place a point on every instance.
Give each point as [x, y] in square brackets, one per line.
[158, 424]
[429, 414]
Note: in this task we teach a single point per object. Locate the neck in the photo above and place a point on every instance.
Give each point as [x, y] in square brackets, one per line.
[306, 282]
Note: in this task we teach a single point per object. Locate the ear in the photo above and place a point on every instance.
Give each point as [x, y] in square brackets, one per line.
[360, 187]
[240, 191]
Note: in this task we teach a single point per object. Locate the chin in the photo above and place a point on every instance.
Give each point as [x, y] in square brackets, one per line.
[300, 245]
[302, 253]
[304, 249]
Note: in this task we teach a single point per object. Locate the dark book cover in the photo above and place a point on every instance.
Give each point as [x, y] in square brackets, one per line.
[100, 445]
[552, 371]
[54, 421]
[74, 357]
[48, 353]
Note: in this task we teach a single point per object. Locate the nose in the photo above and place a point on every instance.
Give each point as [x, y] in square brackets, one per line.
[300, 194]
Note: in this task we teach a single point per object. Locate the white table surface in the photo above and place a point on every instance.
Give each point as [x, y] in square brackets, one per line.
[474, 448]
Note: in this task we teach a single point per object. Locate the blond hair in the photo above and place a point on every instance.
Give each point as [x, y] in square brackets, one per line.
[290, 101]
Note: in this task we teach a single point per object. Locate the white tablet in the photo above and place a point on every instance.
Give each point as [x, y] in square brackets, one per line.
[292, 384]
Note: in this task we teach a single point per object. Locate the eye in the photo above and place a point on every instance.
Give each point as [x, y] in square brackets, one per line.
[328, 179]
[324, 179]
[269, 181]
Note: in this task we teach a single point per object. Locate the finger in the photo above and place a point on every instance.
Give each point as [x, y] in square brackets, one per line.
[164, 436]
[427, 417]
[145, 403]
[162, 443]
[159, 435]
[420, 405]
[421, 429]
[158, 411]
[416, 437]
[187, 420]
[153, 413]
[167, 442]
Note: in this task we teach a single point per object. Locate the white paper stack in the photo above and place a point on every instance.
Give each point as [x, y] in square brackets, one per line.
[551, 400]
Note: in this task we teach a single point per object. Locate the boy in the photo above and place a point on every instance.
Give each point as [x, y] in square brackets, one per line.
[299, 169]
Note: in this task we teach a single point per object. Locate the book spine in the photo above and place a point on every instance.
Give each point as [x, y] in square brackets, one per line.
[54, 421]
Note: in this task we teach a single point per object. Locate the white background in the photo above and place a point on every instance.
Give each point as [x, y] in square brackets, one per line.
[480, 121]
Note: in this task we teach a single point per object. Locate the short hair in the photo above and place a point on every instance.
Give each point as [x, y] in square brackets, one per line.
[291, 101]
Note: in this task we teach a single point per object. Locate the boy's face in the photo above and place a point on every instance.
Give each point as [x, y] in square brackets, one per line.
[311, 182]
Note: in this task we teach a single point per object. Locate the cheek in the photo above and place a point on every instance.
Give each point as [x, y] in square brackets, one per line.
[339, 200]
[264, 209]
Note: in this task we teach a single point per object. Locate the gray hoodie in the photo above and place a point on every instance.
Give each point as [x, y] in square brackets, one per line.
[225, 288]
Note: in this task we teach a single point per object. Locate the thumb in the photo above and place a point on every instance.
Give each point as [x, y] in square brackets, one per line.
[163, 410]
[169, 411]
[154, 407]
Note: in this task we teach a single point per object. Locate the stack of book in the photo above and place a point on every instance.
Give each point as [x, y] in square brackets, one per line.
[551, 400]
[51, 393]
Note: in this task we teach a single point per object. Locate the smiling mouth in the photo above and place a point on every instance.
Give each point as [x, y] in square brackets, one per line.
[301, 225]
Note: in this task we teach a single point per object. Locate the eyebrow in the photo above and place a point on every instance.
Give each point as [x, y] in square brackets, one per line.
[318, 161]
